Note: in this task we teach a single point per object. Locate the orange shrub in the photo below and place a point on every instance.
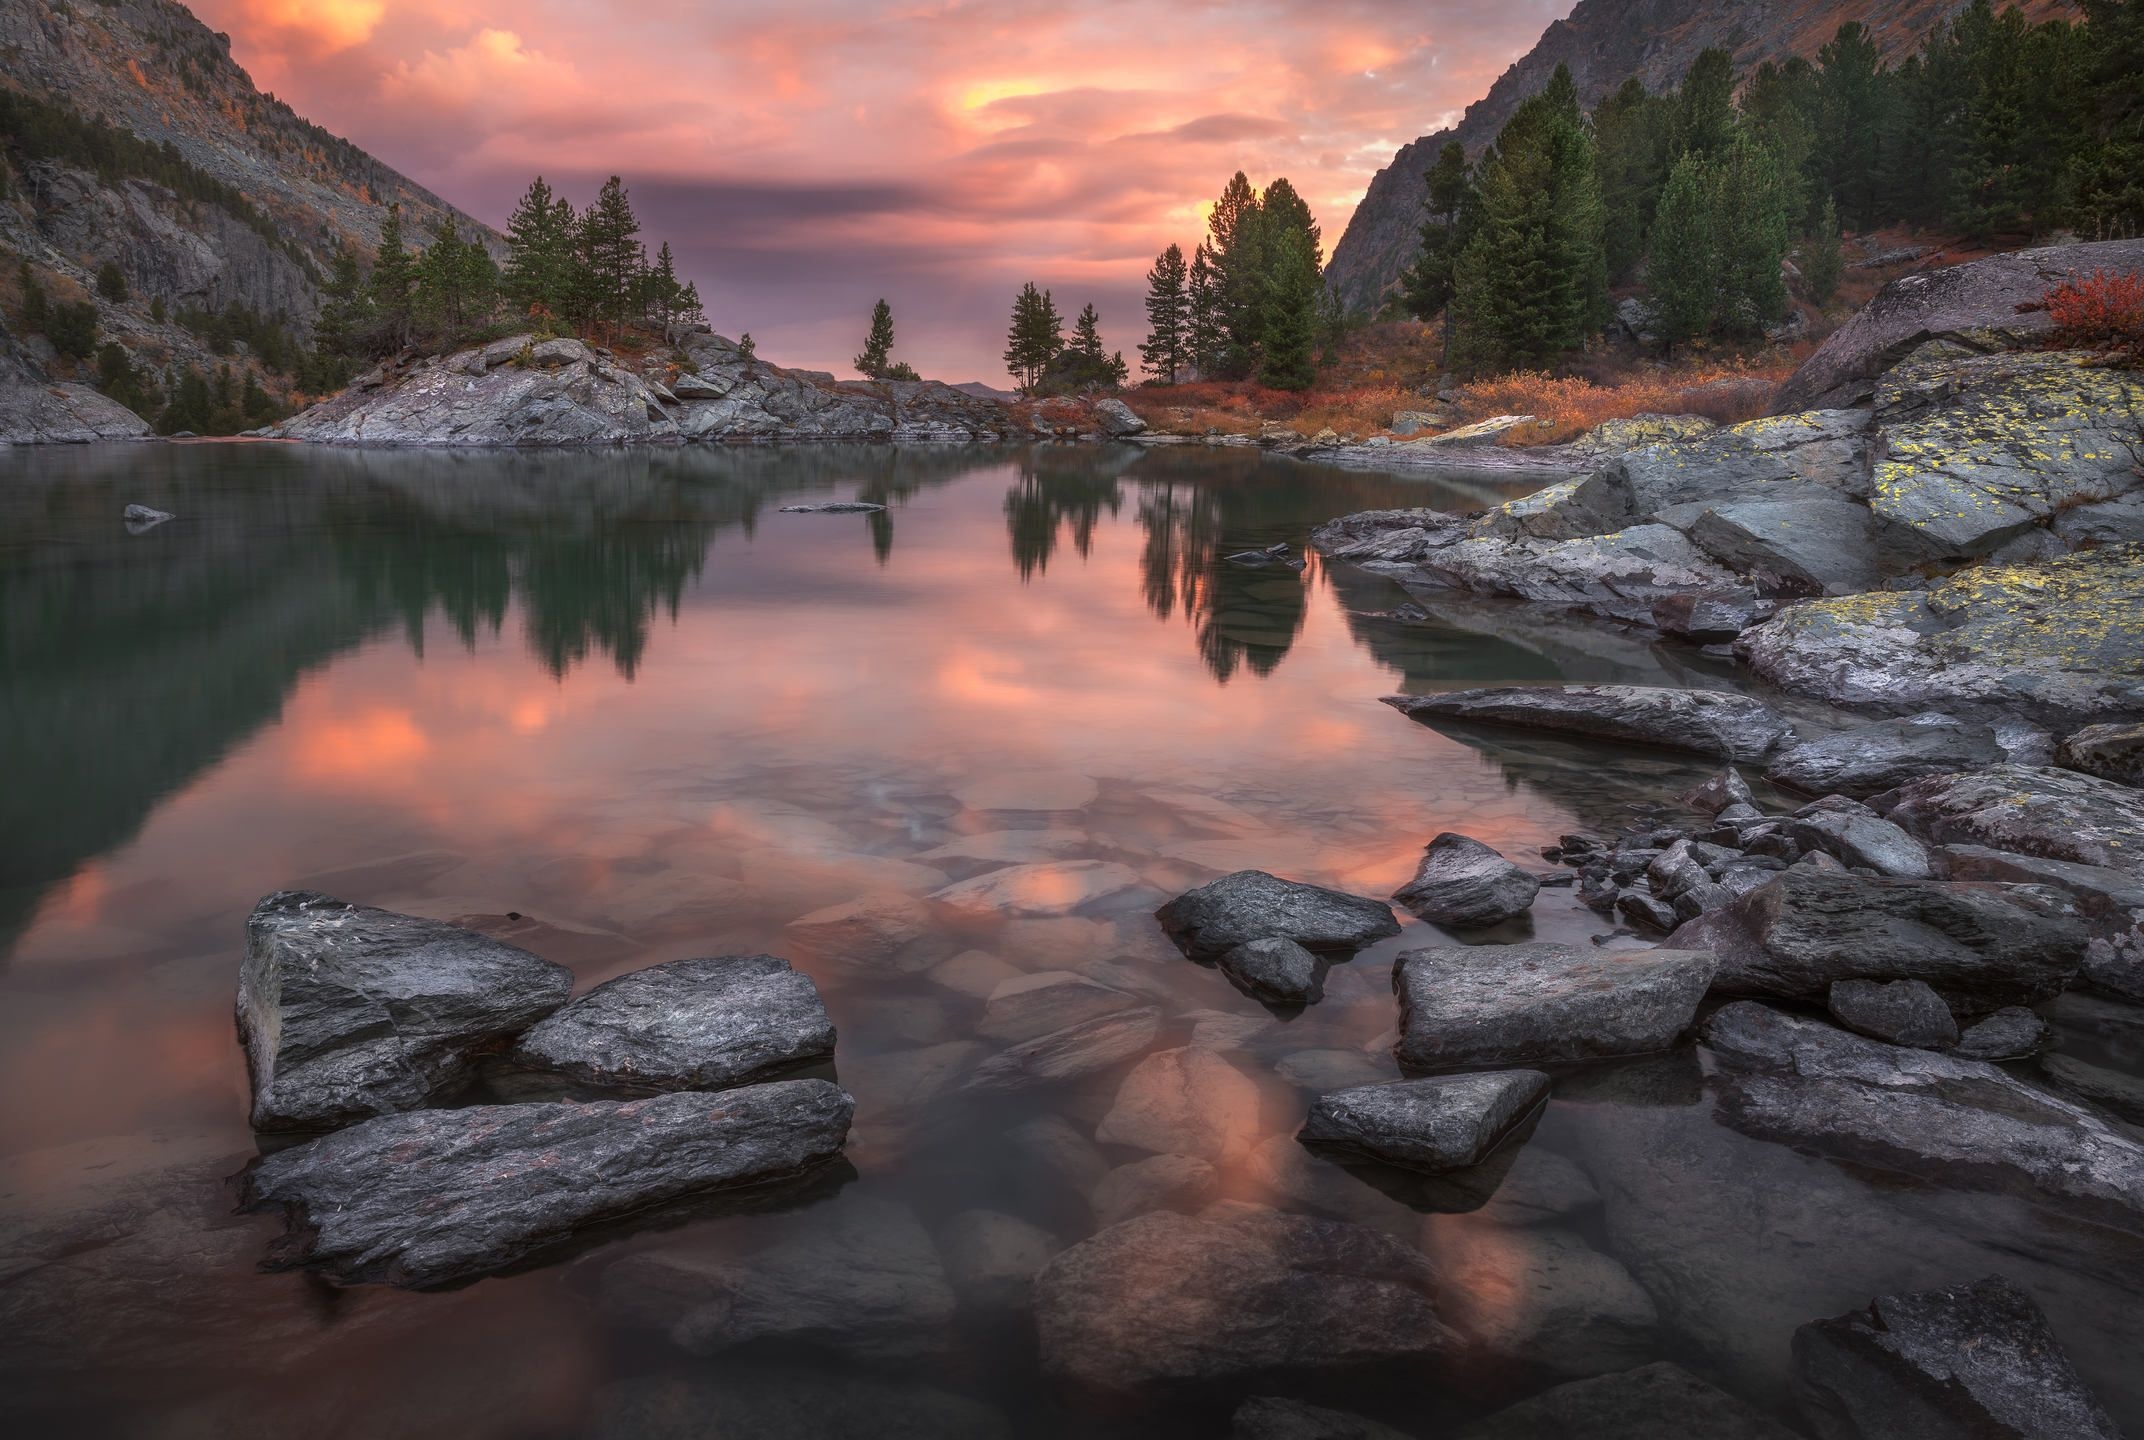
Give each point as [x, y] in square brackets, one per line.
[1572, 405]
[2103, 311]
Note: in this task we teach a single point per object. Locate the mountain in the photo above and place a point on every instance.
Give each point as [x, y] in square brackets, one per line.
[128, 136]
[1605, 42]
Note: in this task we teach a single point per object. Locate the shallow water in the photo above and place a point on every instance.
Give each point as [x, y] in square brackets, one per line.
[621, 710]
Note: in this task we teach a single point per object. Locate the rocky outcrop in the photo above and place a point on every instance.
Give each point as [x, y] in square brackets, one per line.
[437, 1196]
[2031, 810]
[1542, 1003]
[1707, 722]
[1252, 905]
[1975, 1359]
[36, 410]
[1435, 1124]
[1464, 884]
[702, 1024]
[347, 1012]
[1985, 305]
[1885, 754]
[533, 391]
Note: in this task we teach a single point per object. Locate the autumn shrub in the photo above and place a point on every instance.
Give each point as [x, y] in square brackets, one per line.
[2104, 311]
[1570, 405]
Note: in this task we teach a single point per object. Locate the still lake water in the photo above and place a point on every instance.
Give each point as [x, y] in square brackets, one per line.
[621, 699]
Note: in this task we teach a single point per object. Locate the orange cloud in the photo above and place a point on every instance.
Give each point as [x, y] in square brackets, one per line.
[320, 27]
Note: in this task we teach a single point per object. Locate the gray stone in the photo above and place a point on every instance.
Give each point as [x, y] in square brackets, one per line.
[1623, 574]
[1673, 871]
[1159, 1182]
[2118, 1094]
[1542, 1003]
[874, 931]
[835, 507]
[38, 411]
[144, 517]
[1862, 842]
[1884, 755]
[2011, 1033]
[2110, 752]
[1643, 1404]
[1331, 1069]
[1640, 907]
[1708, 722]
[1953, 1122]
[1267, 1417]
[1975, 1359]
[1115, 418]
[1028, 1006]
[1980, 945]
[1816, 544]
[1464, 884]
[1722, 792]
[1048, 888]
[2032, 810]
[1069, 1053]
[1237, 1292]
[1186, 1101]
[1252, 905]
[991, 1258]
[1540, 1297]
[859, 1277]
[701, 1024]
[346, 1011]
[437, 1196]
[1275, 970]
[1445, 1122]
[1904, 1012]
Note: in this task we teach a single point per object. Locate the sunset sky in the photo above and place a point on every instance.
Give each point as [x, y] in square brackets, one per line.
[806, 158]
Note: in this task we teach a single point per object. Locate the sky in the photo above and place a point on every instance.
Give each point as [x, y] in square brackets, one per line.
[806, 158]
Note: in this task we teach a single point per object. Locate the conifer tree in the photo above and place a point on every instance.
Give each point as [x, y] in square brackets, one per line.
[1822, 262]
[1035, 336]
[611, 255]
[1752, 238]
[1087, 333]
[1234, 249]
[1289, 321]
[1779, 106]
[1705, 106]
[878, 344]
[35, 305]
[391, 290]
[1851, 105]
[455, 279]
[539, 253]
[1683, 276]
[1447, 193]
[665, 296]
[344, 311]
[1165, 352]
[1204, 335]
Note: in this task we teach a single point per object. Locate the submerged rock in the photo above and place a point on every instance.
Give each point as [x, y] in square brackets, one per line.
[1252, 905]
[1465, 884]
[1159, 1182]
[1442, 1123]
[1542, 1003]
[1952, 1122]
[1641, 1404]
[1275, 970]
[1904, 1012]
[1540, 1296]
[2118, 1094]
[143, 517]
[1884, 755]
[1027, 1006]
[437, 1196]
[1268, 1417]
[1184, 1102]
[702, 1024]
[1708, 722]
[1239, 1291]
[1980, 945]
[787, 1402]
[1963, 1360]
[1069, 1053]
[346, 1011]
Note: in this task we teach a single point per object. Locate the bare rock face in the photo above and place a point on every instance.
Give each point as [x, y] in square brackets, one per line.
[1465, 884]
[1884, 755]
[1440, 1123]
[1707, 722]
[2032, 810]
[1976, 1359]
[1542, 1003]
[34, 413]
[1237, 1291]
[1953, 1122]
[1980, 945]
[702, 1024]
[1252, 905]
[437, 1196]
[347, 1012]
[1976, 306]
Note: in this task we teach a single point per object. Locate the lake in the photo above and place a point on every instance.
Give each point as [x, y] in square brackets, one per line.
[618, 708]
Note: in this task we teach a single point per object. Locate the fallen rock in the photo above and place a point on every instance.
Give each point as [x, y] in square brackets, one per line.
[1818, 543]
[1275, 970]
[1708, 722]
[858, 1277]
[1957, 1123]
[1723, 790]
[991, 1258]
[1884, 755]
[1252, 905]
[1979, 945]
[1115, 418]
[1184, 1102]
[2031, 810]
[1464, 884]
[1159, 1182]
[1975, 1359]
[1028, 1006]
[1862, 842]
[1267, 1417]
[1542, 1003]
[1904, 1012]
[346, 1011]
[2111, 901]
[1433, 1125]
[1069, 1053]
[437, 1196]
[2110, 752]
[1642, 1404]
[703, 1024]
[1239, 1291]
[2011, 1033]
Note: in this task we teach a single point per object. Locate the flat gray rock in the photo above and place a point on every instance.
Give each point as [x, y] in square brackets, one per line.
[1237, 1292]
[1981, 945]
[1813, 544]
[1707, 722]
[1253, 905]
[1963, 1360]
[1465, 884]
[1884, 755]
[1862, 842]
[1540, 1297]
[2037, 810]
[1441, 1123]
[1275, 970]
[1904, 1012]
[1953, 1122]
[702, 1024]
[1539, 1004]
[1642, 1404]
[437, 1196]
[347, 1012]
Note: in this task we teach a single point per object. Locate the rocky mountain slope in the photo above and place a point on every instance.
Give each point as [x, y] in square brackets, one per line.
[1605, 42]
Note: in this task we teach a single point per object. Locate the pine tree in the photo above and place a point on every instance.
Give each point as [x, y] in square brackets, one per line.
[36, 309]
[612, 256]
[1235, 250]
[539, 252]
[878, 345]
[1289, 320]
[1087, 332]
[1447, 191]
[1822, 262]
[1750, 214]
[111, 282]
[1632, 138]
[1852, 101]
[1705, 106]
[391, 290]
[1035, 336]
[1204, 334]
[344, 310]
[1168, 317]
[1779, 106]
[664, 296]
[1683, 276]
[455, 280]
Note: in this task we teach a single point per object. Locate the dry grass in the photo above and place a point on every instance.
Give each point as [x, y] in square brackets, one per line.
[1573, 404]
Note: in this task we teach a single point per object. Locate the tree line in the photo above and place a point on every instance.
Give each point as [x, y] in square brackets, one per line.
[1996, 126]
[1038, 355]
[1249, 302]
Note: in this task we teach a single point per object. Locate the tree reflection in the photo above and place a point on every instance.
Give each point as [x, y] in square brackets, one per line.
[1241, 616]
[1058, 490]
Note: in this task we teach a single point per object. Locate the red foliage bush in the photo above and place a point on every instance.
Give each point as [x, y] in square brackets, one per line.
[2103, 311]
